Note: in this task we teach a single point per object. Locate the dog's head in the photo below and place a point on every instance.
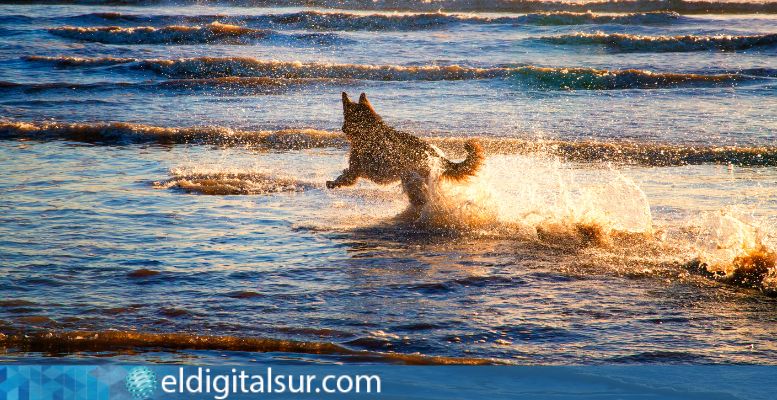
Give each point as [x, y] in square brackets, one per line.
[360, 118]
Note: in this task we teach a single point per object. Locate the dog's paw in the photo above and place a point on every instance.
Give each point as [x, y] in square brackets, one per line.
[330, 184]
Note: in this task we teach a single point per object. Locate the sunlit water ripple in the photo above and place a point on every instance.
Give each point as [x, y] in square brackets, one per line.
[163, 192]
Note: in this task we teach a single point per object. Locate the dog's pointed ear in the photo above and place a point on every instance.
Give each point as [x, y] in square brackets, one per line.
[346, 101]
[363, 101]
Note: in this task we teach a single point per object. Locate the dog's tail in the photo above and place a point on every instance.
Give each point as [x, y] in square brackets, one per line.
[469, 166]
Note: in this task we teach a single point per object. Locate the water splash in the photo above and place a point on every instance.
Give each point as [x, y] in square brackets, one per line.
[240, 182]
[551, 203]
[547, 201]
[733, 247]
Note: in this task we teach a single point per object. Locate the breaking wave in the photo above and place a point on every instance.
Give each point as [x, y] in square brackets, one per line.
[249, 85]
[212, 33]
[43, 86]
[107, 341]
[80, 61]
[582, 18]
[341, 21]
[540, 77]
[514, 6]
[124, 133]
[647, 154]
[547, 78]
[635, 43]
[231, 85]
[315, 20]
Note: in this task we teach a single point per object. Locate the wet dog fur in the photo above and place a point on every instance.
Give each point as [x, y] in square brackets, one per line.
[385, 155]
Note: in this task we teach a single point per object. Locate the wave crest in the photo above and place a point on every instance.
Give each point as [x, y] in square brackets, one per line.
[582, 18]
[541, 77]
[123, 132]
[214, 32]
[342, 21]
[514, 6]
[551, 78]
[233, 85]
[317, 20]
[647, 154]
[385, 22]
[66, 342]
[79, 61]
[623, 42]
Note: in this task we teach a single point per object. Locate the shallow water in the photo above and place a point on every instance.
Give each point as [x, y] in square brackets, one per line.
[163, 184]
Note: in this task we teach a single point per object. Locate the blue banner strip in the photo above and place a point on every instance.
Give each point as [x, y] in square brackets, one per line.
[99, 382]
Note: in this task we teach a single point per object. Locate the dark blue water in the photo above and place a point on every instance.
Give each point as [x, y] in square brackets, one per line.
[163, 172]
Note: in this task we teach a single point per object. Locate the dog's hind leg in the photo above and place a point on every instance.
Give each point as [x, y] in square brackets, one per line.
[414, 186]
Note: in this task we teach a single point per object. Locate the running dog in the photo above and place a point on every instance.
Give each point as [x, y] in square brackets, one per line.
[384, 155]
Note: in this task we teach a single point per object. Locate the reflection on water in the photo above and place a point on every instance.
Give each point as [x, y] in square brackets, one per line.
[89, 245]
[162, 195]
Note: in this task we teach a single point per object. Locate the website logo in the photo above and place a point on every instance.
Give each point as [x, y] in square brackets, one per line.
[141, 383]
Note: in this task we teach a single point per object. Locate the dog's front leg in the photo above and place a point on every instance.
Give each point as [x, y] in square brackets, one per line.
[347, 178]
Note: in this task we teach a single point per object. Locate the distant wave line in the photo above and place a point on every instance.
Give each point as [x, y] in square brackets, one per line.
[623, 42]
[575, 78]
[513, 6]
[646, 154]
[214, 32]
[254, 85]
[343, 21]
[65, 342]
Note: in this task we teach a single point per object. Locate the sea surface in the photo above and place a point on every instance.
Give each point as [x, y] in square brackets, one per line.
[163, 169]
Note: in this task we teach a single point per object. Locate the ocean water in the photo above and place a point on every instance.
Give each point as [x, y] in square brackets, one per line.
[163, 189]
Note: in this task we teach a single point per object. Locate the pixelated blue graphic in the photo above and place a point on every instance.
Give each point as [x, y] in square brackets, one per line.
[141, 382]
[61, 382]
